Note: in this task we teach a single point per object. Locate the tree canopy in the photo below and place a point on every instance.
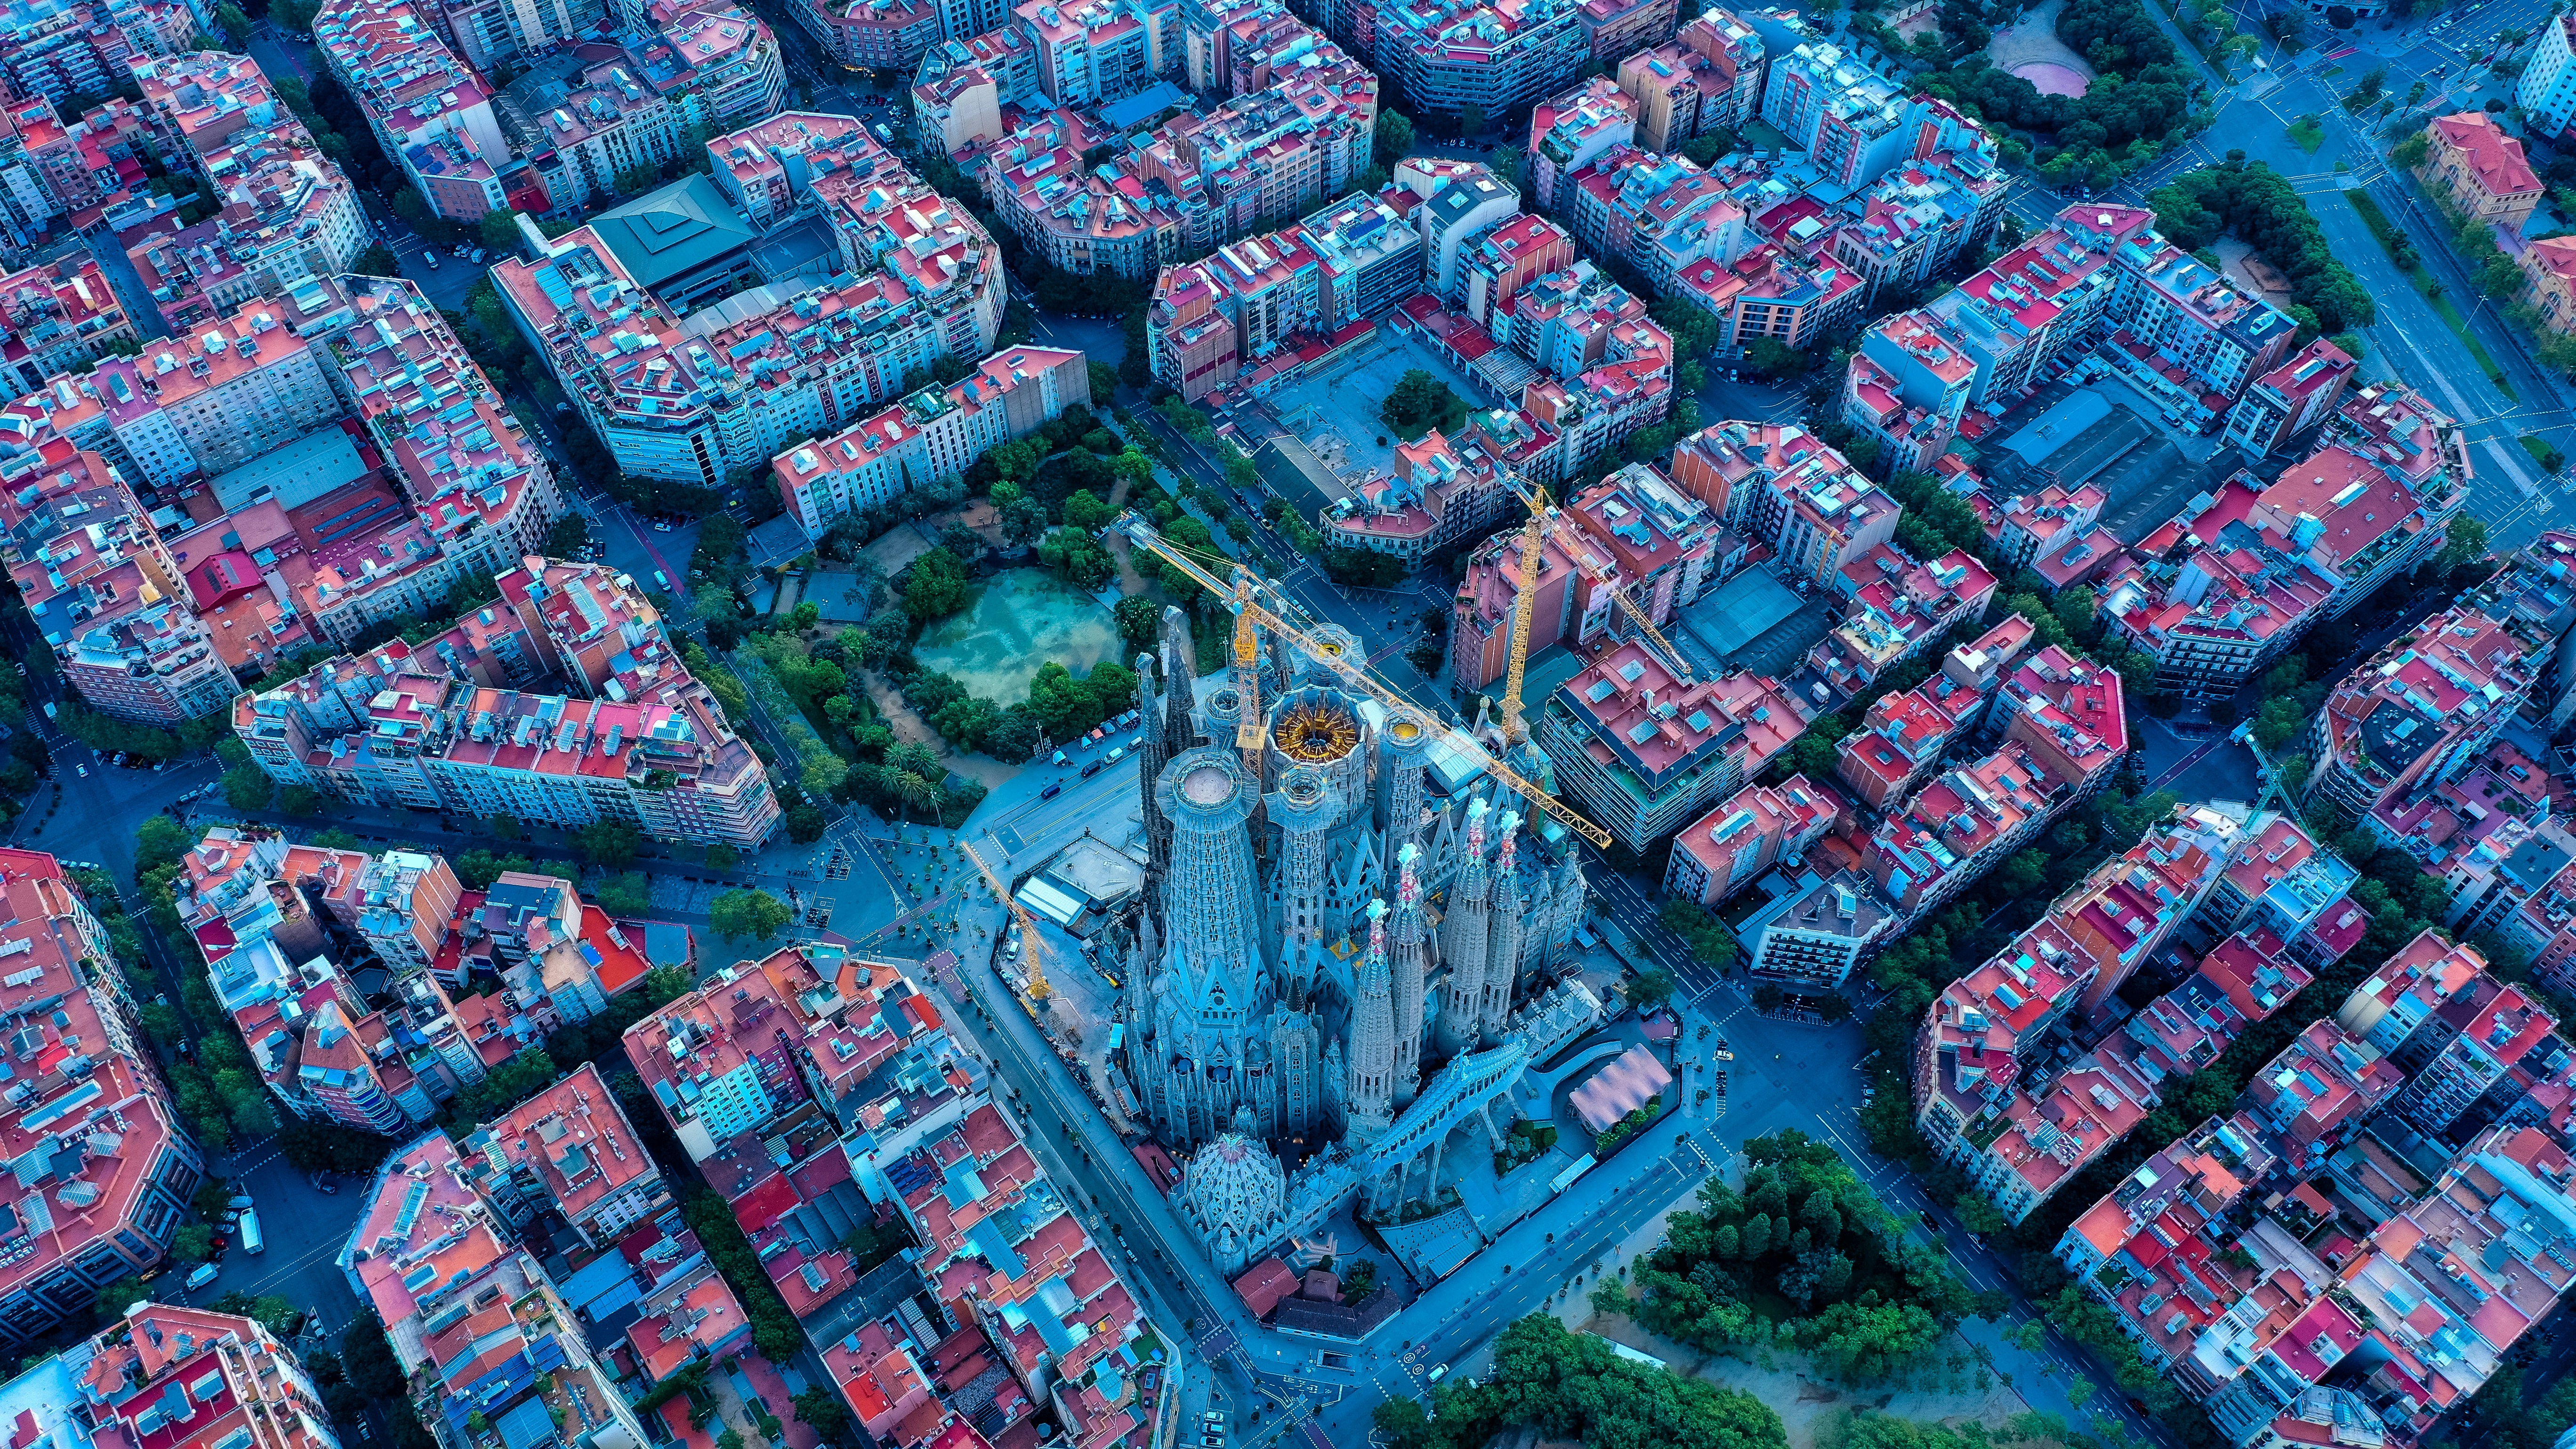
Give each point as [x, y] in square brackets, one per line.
[2257, 205]
[1571, 1386]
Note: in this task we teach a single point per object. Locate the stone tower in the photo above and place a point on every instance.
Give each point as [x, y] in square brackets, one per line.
[1404, 743]
[1302, 807]
[1180, 684]
[1571, 893]
[1407, 972]
[1462, 941]
[1208, 1013]
[1151, 756]
[1371, 1096]
[1505, 922]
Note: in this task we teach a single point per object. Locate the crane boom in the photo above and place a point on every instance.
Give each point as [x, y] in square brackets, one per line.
[1241, 596]
[1538, 503]
[1524, 607]
[1029, 941]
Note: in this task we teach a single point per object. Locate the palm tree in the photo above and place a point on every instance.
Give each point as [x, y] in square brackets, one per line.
[915, 791]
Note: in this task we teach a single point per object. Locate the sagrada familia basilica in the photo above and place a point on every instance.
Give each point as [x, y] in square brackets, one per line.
[1329, 956]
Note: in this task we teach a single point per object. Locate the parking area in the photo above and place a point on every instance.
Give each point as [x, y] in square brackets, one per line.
[1334, 413]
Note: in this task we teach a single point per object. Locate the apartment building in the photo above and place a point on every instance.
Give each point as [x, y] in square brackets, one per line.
[430, 112]
[2479, 169]
[481, 1334]
[2040, 300]
[1568, 132]
[1092, 52]
[1812, 937]
[2546, 90]
[1452, 55]
[1056, 1280]
[1707, 78]
[768, 169]
[2299, 394]
[443, 727]
[105, 592]
[1954, 829]
[933, 433]
[1922, 214]
[691, 399]
[1850, 120]
[1758, 827]
[2420, 711]
[1897, 607]
[1645, 753]
[1297, 137]
[583, 118]
[108, 1170]
[962, 85]
[488, 32]
[569, 1150]
[1979, 1097]
[2055, 532]
[256, 905]
[59, 317]
[1483, 612]
[1903, 733]
[2184, 335]
[1819, 514]
[186, 1377]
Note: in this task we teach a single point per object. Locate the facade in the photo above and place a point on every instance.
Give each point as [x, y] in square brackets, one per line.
[1643, 752]
[111, 1144]
[2479, 169]
[448, 726]
[1453, 55]
[1759, 827]
[691, 399]
[2546, 91]
[934, 433]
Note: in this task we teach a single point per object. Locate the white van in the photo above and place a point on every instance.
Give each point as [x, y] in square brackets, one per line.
[204, 1275]
[662, 579]
[250, 1238]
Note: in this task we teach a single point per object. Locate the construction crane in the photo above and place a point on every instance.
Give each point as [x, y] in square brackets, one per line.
[1540, 504]
[1030, 949]
[2263, 767]
[1244, 594]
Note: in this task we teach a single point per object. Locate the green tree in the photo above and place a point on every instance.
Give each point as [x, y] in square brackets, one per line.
[623, 895]
[745, 914]
[233, 23]
[609, 844]
[934, 587]
[1391, 140]
[248, 788]
[1651, 988]
[1140, 621]
[1418, 403]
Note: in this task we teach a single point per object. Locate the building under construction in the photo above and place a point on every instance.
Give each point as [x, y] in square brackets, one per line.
[1322, 926]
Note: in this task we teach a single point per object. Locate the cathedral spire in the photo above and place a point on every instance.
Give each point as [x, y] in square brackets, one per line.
[1151, 756]
[1180, 684]
[1462, 941]
[1504, 924]
[1407, 975]
[1372, 1061]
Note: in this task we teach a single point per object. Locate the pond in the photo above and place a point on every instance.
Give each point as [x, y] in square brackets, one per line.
[1014, 622]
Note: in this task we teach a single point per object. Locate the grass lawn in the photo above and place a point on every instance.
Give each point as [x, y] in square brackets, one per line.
[2385, 231]
[2549, 458]
[2307, 133]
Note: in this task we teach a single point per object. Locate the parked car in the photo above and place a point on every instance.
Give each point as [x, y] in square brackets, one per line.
[240, 1200]
[1051, 791]
[251, 1240]
[204, 1274]
[1092, 769]
[1115, 755]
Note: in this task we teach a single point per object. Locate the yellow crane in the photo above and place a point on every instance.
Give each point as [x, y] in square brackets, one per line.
[1243, 593]
[1030, 949]
[1540, 504]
